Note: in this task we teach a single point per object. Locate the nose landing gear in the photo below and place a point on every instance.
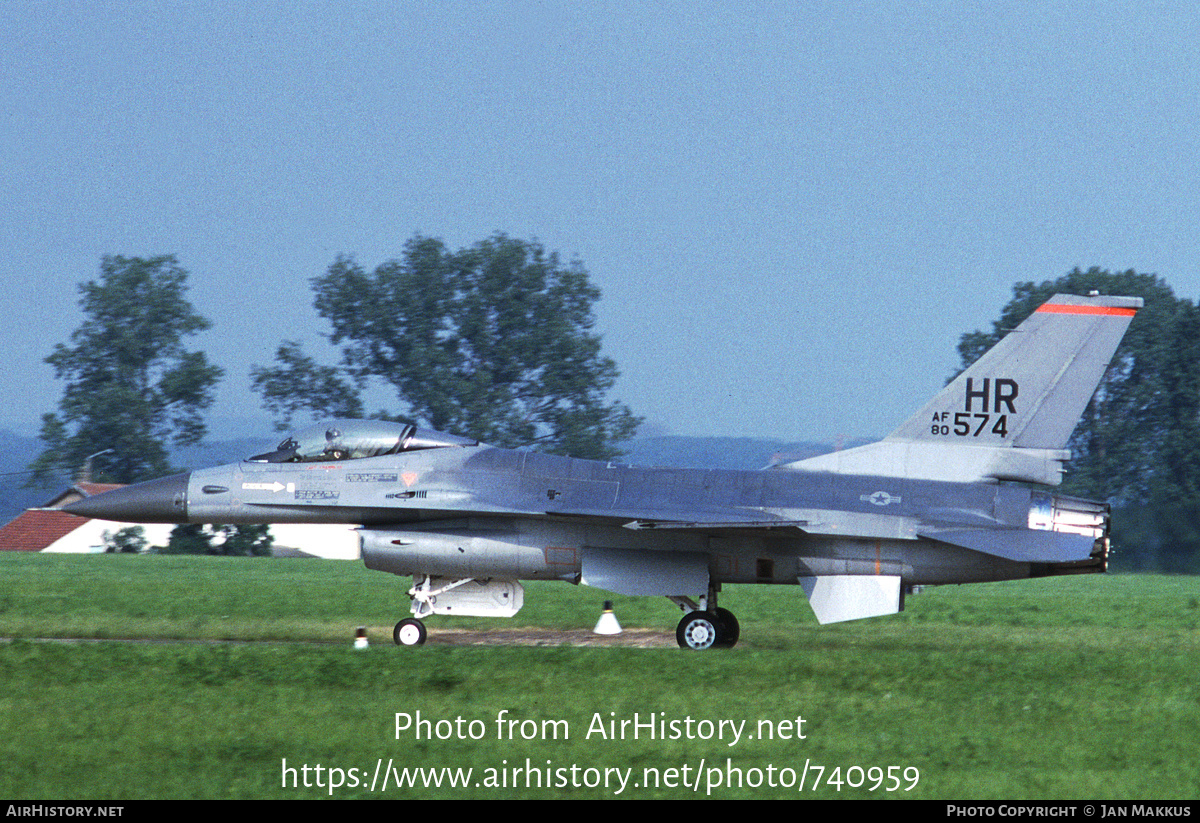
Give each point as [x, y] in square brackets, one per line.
[409, 632]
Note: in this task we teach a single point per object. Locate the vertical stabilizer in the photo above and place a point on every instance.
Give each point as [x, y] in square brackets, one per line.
[1029, 390]
[1010, 415]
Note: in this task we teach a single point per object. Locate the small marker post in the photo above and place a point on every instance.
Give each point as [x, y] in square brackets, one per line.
[360, 637]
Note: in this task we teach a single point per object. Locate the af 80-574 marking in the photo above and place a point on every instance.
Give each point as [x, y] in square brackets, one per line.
[987, 406]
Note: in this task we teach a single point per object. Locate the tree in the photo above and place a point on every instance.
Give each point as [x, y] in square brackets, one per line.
[189, 538]
[242, 540]
[297, 383]
[245, 540]
[129, 540]
[1138, 442]
[493, 341]
[131, 383]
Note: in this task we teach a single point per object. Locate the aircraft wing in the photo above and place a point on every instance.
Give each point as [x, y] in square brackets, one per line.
[1016, 544]
[682, 519]
[715, 525]
[833, 522]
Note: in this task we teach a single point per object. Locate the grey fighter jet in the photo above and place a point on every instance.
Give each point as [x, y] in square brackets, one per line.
[949, 497]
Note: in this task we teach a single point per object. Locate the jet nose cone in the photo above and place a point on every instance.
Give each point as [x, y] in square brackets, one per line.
[155, 501]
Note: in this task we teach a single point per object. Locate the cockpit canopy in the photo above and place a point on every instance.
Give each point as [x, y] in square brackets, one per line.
[356, 439]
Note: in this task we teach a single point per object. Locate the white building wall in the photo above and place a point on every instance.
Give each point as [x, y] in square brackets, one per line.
[327, 540]
[332, 542]
[89, 537]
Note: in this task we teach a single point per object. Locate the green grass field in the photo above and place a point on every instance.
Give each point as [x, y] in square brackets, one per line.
[1064, 688]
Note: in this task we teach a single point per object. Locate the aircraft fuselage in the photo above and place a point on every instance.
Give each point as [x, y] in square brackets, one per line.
[485, 511]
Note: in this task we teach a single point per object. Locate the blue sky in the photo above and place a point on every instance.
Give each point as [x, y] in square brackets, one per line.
[793, 209]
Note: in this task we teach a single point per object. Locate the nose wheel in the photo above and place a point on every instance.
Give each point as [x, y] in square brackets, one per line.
[409, 632]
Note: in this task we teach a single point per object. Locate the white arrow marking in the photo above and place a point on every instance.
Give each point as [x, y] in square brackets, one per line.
[266, 487]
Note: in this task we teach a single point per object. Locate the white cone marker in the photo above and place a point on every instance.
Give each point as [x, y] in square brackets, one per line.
[607, 624]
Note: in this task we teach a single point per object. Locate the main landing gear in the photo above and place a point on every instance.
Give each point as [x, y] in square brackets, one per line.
[699, 630]
[705, 626]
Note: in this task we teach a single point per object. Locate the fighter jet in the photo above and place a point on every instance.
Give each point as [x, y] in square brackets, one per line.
[954, 495]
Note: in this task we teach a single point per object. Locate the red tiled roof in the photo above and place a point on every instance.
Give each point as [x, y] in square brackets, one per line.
[36, 529]
[95, 488]
[78, 492]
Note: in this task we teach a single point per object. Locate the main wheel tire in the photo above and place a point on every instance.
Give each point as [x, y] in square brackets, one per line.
[409, 632]
[697, 631]
[728, 629]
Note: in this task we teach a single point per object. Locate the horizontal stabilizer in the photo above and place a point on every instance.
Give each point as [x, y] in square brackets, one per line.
[835, 598]
[1021, 545]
